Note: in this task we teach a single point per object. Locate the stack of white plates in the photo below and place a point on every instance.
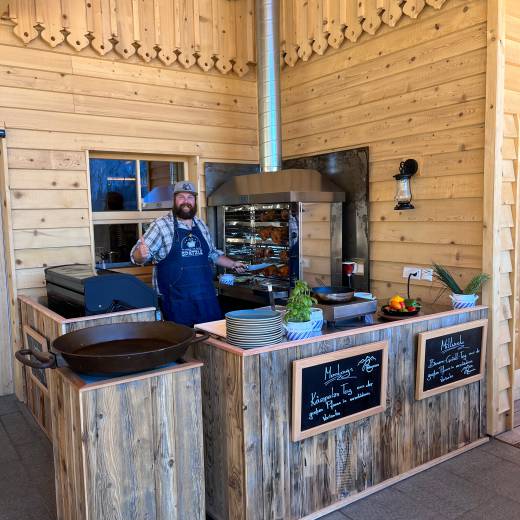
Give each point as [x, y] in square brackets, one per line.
[254, 328]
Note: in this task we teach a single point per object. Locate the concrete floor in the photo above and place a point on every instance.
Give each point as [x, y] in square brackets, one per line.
[482, 484]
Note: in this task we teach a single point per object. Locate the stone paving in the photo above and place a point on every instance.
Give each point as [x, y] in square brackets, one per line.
[481, 484]
[26, 466]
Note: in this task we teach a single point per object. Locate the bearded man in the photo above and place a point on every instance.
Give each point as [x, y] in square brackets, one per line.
[180, 246]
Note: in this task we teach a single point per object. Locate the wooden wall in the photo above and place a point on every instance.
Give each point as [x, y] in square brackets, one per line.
[59, 105]
[510, 155]
[417, 90]
[207, 33]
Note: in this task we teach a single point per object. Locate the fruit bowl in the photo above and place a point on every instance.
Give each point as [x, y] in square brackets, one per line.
[401, 314]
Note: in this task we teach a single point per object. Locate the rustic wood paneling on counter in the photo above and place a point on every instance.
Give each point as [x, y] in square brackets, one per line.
[130, 448]
[254, 471]
[51, 325]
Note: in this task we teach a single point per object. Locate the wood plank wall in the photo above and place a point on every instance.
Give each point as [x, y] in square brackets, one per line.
[58, 105]
[510, 261]
[418, 91]
[499, 358]
[207, 33]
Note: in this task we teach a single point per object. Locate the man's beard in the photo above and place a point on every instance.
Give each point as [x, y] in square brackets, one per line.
[185, 211]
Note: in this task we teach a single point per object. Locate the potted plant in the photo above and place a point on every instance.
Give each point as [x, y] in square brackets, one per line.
[460, 298]
[298, 319]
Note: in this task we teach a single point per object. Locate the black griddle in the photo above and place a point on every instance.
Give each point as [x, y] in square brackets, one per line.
[80, 290]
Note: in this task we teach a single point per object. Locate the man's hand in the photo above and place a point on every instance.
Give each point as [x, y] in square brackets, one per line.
[239, 267]
[142, 252]
[229, 263]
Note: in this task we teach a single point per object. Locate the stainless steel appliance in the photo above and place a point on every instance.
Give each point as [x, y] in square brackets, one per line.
[355, 308]
[292, 239]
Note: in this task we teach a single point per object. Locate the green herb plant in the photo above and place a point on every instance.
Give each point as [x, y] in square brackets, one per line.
[299, 304]
[442, 275]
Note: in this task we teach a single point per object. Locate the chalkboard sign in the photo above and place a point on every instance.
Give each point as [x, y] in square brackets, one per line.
[338, 388]
[450, 357]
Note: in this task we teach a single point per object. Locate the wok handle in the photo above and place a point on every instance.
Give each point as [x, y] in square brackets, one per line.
[44, 359]
[197, 339]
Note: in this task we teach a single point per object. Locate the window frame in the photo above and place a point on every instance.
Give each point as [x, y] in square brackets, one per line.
[139, 216]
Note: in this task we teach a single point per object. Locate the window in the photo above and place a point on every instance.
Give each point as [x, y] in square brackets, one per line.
[113, 185]
[118, 187]
[113, 242]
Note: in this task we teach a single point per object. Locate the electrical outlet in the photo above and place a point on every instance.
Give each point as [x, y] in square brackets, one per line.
[407, 271]
[427, 274]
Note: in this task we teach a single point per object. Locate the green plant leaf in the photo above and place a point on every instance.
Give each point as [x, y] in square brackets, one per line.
[445, 278]
[299, 304]
[476, 283]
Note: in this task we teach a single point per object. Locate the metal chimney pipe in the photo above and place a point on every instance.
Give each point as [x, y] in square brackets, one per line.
[268, 81]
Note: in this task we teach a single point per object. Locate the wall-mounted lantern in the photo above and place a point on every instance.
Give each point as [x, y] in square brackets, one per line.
[403, 194]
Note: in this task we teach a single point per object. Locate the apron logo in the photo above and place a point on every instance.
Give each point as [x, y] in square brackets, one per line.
[190, 246]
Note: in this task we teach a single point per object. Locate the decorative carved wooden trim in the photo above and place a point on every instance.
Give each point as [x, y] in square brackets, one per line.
[341, 20]
[206, 33]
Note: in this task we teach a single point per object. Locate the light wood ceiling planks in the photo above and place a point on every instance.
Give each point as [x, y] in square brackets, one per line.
[207, 33]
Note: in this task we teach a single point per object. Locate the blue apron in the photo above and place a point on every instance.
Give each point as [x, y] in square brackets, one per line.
[185, 279]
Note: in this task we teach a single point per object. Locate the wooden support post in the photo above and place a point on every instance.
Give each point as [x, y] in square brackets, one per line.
[492, 199]
[8, 309]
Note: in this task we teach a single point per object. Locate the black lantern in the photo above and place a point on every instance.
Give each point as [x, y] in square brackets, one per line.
[403, 194]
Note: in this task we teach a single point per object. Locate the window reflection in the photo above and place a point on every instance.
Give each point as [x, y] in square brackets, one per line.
[113, 242]
[155, 174]
[113, 185]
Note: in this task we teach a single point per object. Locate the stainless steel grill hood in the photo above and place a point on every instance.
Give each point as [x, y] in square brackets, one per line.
[273, 184]
[282, 186]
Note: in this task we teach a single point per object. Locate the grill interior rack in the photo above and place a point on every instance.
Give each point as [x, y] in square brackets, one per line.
[260, 233]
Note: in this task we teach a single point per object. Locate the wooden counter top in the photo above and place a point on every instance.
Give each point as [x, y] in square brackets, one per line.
[217, 329]
[86, 382]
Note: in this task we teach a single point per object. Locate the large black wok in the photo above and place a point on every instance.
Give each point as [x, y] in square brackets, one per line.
[117, 348]
[334, 294]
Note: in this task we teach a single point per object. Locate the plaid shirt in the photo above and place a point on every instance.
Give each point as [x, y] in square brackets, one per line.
[159, 239]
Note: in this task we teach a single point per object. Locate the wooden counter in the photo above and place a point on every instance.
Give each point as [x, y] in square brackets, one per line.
[40, 326]
[124, 447]
[128, 447]
[254, 470]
